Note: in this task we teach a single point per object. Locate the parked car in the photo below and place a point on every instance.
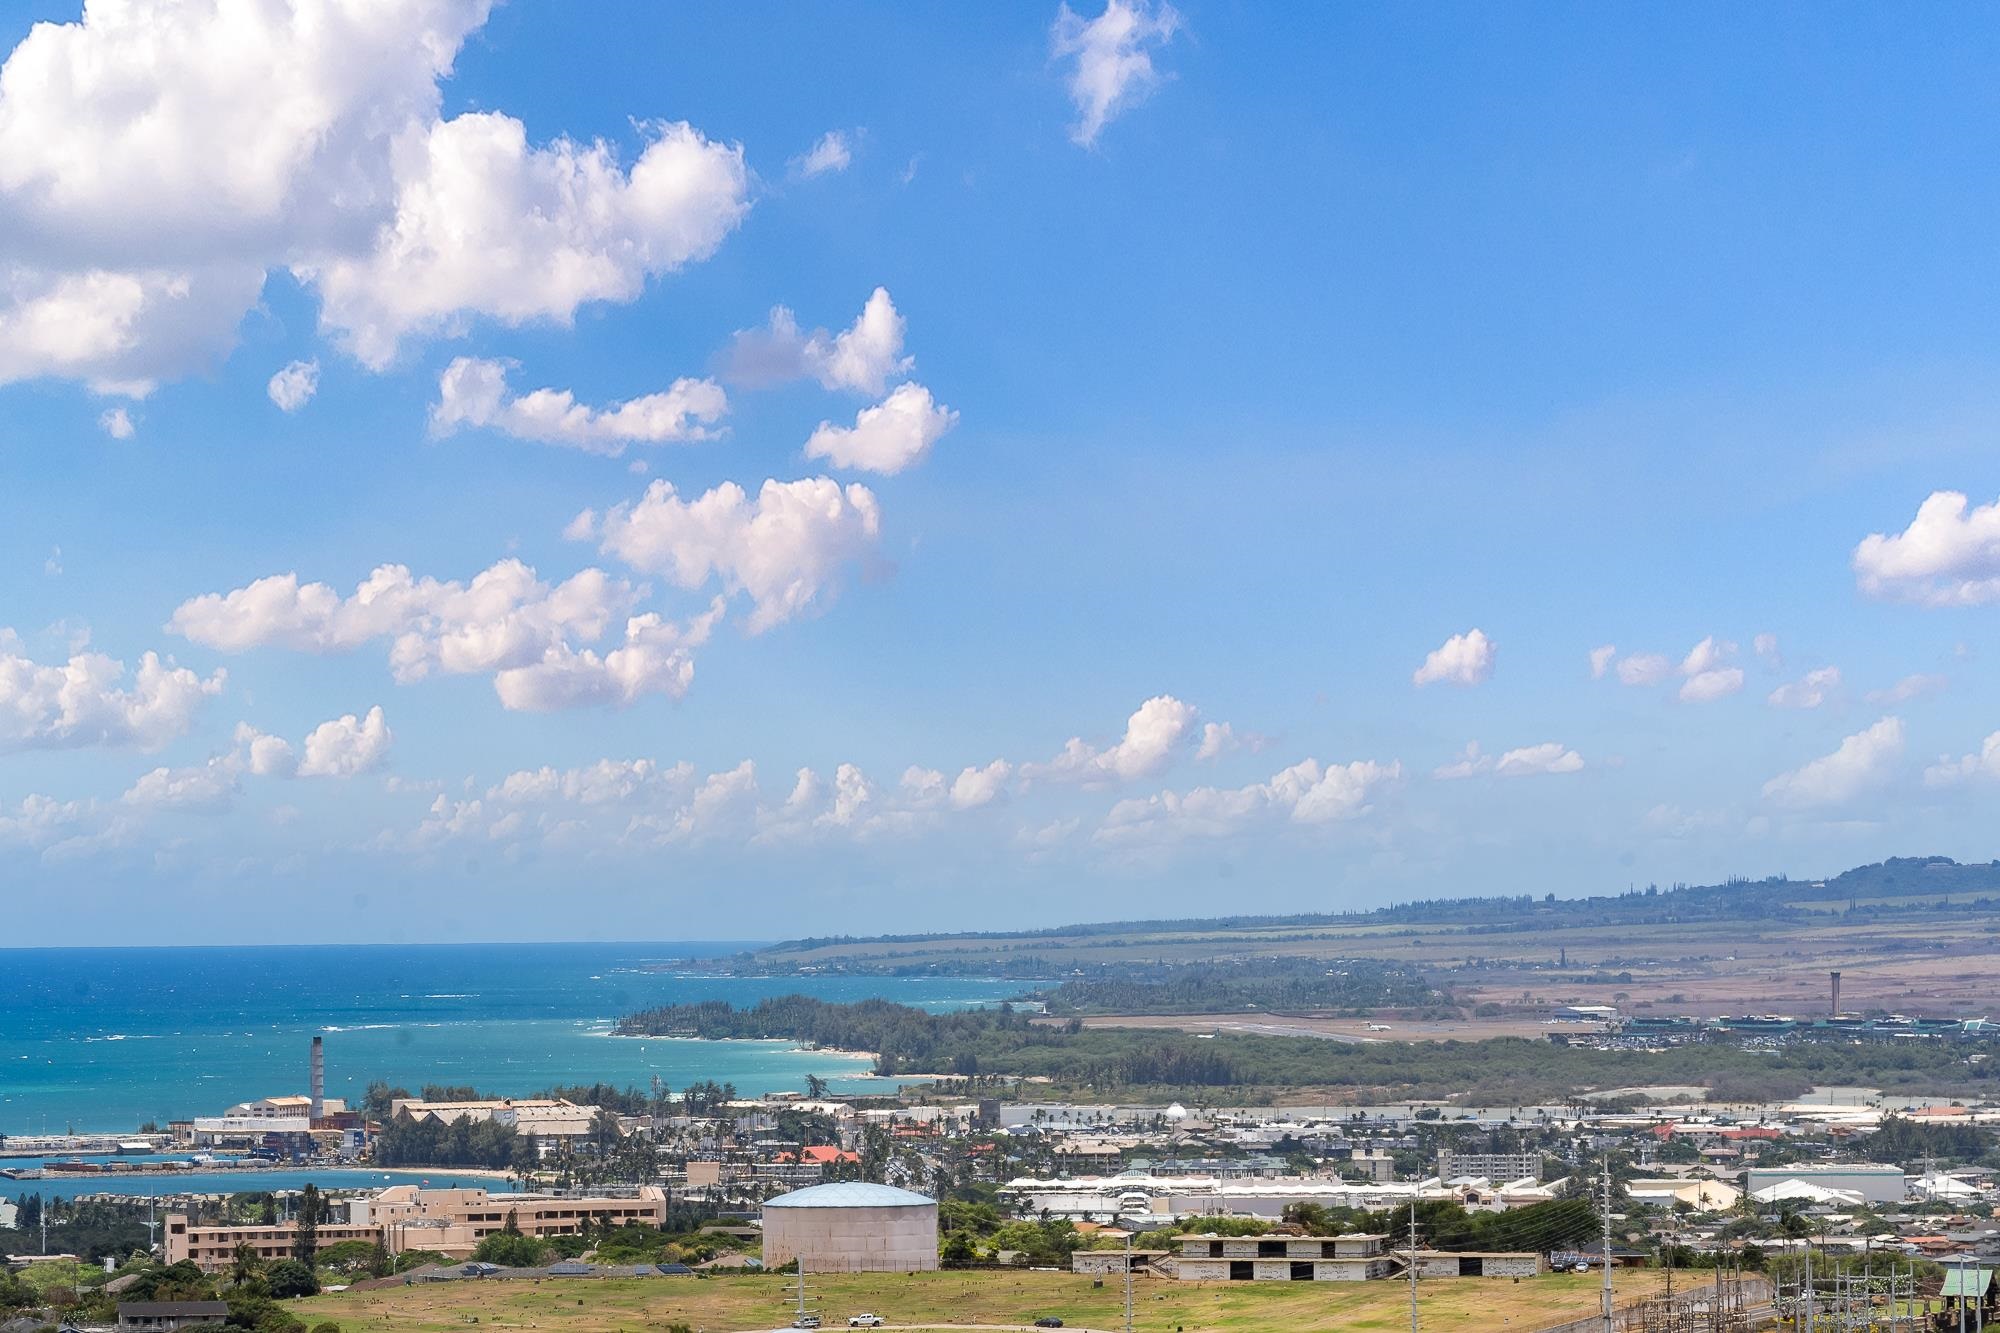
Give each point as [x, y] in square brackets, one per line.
[806, 1321]
[864, 1321]
[1048, 1321]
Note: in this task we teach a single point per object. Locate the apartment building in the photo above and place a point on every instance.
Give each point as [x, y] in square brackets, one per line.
[1493, 1166]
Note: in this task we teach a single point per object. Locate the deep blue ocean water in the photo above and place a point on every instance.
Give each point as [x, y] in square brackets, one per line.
[104, 1039]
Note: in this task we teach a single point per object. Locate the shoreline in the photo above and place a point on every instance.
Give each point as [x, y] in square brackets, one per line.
[793, 1045]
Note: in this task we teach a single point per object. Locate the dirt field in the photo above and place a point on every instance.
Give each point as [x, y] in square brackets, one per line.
[738, 1302]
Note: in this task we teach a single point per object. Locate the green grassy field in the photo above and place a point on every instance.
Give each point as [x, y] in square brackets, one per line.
[722, 1303]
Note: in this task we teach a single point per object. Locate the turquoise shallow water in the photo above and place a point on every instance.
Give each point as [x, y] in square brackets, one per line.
[240, 1182]
[100, 1040]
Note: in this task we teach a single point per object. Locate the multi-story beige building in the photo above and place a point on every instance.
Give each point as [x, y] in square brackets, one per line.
[213, 1248]
[405, 1217]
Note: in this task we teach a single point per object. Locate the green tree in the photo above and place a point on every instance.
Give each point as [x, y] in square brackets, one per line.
[289, 1278]
[958, 1251]
[247, 1265]
[305, 1239]
[510, 1250]
[409, 1259]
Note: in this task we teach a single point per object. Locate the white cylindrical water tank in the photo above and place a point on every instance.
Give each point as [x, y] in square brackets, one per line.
[851, 1226]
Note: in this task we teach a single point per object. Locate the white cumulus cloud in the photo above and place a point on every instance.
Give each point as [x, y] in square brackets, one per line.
[887, 437]
[210, 788]
[784, 550]
[657, 657]
[1643, 669]
[974, 787]
[1110, 59]
[1908, 688]
[1530, 760]
[347, 746]
[1863, 762]
[294, 385]
[486, 224]
[158, 159]
[1155, 733]
[1953, 771]
[1706, 671]
[1808, 691]
[1949, 555]
[1708, 686]
[1527, 761]
[117, 423]
[505, 622]
[86, 701]
[1949, 772]
[861, 358]
[1463, 659]
[1305, 793]
[473, 392]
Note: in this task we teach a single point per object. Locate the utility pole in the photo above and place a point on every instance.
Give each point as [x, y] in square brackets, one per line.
[1606, 1255]
[1868, 1281]
[1128, 1282]
[1413, 1263]
[1673, 1243]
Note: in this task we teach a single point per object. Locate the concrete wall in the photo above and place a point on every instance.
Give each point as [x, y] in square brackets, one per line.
[1430, 1265]
[1202, 1270]
[853, 1240]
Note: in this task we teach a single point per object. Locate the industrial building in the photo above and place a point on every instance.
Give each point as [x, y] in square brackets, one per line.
[548, 1120]
[1873, 1182]
[1355, 1258]
[852, 1227]
[1141, 1198]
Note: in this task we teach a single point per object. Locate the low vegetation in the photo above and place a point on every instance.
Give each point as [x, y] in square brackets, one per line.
[995, 1045]
[1005, 1296]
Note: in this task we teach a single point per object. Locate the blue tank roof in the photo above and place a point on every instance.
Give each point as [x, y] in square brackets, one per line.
[850, 1194]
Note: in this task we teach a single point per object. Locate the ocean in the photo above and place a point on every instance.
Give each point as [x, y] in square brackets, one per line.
[102, 1040]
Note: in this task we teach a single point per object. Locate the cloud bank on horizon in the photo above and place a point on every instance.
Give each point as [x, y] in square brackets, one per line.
[1100, 450]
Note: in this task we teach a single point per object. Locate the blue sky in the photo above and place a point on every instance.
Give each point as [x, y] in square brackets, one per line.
[1228, 362]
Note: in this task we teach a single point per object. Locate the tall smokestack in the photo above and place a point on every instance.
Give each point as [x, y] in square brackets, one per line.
[319, 1078]
[1836, 993]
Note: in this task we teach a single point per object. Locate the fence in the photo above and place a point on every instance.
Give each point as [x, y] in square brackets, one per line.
[1730, 1304]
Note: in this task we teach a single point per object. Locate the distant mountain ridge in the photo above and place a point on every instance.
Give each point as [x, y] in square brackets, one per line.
[1878, 889]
